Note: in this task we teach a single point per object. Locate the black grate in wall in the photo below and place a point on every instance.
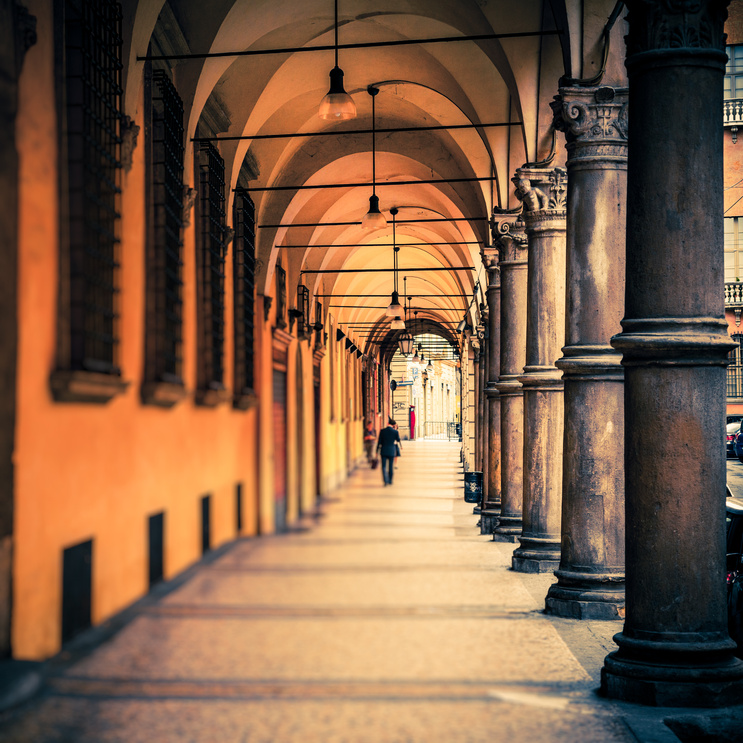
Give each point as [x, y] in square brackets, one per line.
[77, 582]
[239, 507]
[206, 543]
[93, 44]
[213, 251]
[156, 543]
[167, 192]
[244, 289]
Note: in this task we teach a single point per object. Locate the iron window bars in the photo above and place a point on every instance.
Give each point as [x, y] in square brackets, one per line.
[280, 296]
[165, 253]
[211, 262]
[88, 338]
[243, 257]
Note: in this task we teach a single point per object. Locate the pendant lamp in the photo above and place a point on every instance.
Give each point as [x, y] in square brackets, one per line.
[415, 358]
[373, 219]
[337, 105]
[395, 308]
[405, 341]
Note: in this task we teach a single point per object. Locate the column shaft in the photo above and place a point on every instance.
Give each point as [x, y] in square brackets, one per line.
[591, 574]
[512, 243]
[491, 506]
[675, 649]
[544, 216]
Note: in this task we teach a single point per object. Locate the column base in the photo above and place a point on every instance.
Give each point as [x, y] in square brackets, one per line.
[488, 520]
[586, 596]
[536, 555]
[702, 675]
[508, 529]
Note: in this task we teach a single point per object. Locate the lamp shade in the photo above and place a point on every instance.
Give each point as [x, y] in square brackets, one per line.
[373, 219]
[337, 105]
[415, 357]
[429, 367]
[394, 309]
[405, 342]
[397, 324]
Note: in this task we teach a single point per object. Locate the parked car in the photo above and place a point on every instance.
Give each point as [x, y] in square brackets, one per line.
[731, 430]
[734, 519]
[738, 444]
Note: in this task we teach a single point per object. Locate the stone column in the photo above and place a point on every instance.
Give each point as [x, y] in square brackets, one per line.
[542, 193]
[491, 506]
[513, 273]
[482, 403]
[674, 649]
[591, 574]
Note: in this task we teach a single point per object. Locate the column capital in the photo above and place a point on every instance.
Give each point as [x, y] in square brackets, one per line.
[594, 121]
[509, 235]
[543, 193]
[491, 262]
[664, 29]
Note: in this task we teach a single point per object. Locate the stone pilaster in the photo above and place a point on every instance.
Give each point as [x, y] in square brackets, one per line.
[542, 193]
[512, 243]
[591, 574]
[492, 473]
[674, 649]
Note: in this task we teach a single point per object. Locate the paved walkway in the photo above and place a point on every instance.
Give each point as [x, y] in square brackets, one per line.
[391, 620]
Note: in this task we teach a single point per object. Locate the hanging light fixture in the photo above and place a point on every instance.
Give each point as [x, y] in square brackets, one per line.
[415, 358]
[337, 104]
[405, 341]
[394, 308]
[429, 367]
[373, 219]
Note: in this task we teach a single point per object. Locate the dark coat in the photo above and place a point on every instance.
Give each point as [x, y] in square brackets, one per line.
[386, 444]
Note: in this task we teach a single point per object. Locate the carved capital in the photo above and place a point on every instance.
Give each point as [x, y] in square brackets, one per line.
[676, 25]
[543, 193]
[490, 260]
[591, 115]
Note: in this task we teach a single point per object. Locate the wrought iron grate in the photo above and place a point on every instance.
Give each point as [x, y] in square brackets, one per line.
[213, 250]
[735, 369]
[166, 268]
[93, 45]
[280, 296]
[244, 286]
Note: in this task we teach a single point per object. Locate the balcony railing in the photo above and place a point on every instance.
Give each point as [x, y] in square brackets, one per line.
[734, 294]
[732, 112]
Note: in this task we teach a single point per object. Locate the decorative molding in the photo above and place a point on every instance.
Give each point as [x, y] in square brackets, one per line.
[129, 134]
[678, 25]
[267, 302]
[25, 33]
[189, 199]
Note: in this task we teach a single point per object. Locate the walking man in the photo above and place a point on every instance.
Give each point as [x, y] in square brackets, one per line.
[389, 438]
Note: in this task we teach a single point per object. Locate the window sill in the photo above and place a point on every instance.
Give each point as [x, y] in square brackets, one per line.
[245, 400]
[77, 385]
[163, 394]
[212, 396]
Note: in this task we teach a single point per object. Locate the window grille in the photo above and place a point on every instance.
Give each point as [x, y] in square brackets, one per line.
[280, 296]
[93, 45]
[303, 311]
[318, 326]
[735, 369]
[734, 72]
[164, 274]
[213, 248]
[244, 286]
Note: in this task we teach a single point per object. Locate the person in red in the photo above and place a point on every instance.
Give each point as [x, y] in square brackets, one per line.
[388, 438]
[370, 436]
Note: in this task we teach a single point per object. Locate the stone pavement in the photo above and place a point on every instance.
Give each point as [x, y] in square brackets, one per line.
[391, 620]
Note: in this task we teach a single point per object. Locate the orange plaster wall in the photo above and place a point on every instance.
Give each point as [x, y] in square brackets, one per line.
[98, 471]
[733, 174]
